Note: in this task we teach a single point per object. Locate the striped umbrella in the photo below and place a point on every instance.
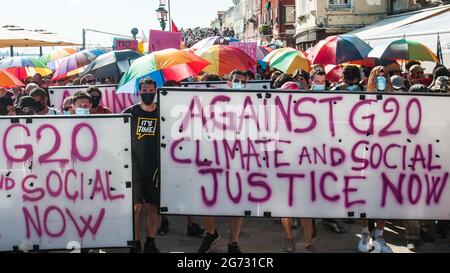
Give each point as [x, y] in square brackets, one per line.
[404, 50]
[76, 63]
[224, 58]
[53, 59]
[23, 67]
[8, 80]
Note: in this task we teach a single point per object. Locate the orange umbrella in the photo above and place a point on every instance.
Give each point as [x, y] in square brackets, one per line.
[8, 80]
[224, 59]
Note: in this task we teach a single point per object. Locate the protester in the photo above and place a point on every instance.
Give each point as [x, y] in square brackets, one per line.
[6, 106]
[441, 85]
[37, 79]
[82, 103]
[419, 88]
[273, 77]
[379, 80]
[6, 93]
[318, 81]
[282, 79]
[96, 96]
[237, 80]
[209, 77]
[145, 164]
[416, 75]
[250, 75]
[301, 77]
[88, 79]
[26, 106]
[40, 97]
[351, 78]
[68, 106]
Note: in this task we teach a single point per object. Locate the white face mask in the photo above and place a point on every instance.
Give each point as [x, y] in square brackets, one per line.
[238, 85]
[82, 111]
[319, 87]
[67, 113]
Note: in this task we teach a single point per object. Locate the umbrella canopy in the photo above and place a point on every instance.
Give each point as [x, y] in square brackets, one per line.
[404, 50]
[262, 52]
[75, 64]
[8, 80]
[223, 59]
[53, 59]
[339, 49]
[24, 66]
[288, 60]
[18, 37]
[111, 64]
[215, 40]
[164, 65]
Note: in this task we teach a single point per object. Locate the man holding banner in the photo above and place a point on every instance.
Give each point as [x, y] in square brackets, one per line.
[144, 122]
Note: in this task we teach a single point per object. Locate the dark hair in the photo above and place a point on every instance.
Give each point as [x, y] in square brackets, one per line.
[411, 63]
[6, 101]
[172, 83]
[209, 77]
[418, 88]
[147, 81]
[318, 71]
[301, 73]
[92, 89]
[351, 72]
[250, 75]
[440, 70]
[81, 95]
[282, 79]
[237, 72]
[38, 92]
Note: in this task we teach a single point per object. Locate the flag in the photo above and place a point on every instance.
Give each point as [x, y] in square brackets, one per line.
[439, 51]
[174, 27]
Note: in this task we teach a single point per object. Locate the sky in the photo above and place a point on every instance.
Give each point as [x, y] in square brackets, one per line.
[69, 17]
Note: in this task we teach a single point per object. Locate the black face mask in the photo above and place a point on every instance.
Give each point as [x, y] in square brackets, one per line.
[96, 101]
[147, 98]
[4, 110]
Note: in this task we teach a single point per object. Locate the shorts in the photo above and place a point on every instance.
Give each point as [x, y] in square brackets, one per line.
[146, 190]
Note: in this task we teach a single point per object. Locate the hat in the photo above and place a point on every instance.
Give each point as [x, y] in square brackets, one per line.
[442, 84]
[418, 88]
[416, 68]
[27, 101]
[290, 86]
[398, 82]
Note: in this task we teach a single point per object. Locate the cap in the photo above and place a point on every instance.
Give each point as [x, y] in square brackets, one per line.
[416, 68]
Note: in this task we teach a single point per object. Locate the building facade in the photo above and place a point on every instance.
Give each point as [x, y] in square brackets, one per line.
[277, 22]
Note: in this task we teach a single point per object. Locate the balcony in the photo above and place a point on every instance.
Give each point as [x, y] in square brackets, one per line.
[265, 30]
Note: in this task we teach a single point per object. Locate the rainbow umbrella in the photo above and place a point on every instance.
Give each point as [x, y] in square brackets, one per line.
[76, 63]
[215, 40]
[339, 49]
[288, 60]
[161, 66]
[53, 59]
[224, 58]
[262, 52]
[23, 67]
[8, 80]
[404, 50]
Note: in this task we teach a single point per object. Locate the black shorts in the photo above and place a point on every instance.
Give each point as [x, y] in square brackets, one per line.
[146, 190]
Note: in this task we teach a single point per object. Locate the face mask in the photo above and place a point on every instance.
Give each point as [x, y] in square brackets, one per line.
[353, 87]
[95, 101]
[319, 87]
[147, 98]
[82, 111]
[67, 113]
[4, 110]
[381, 83]
[238, 85]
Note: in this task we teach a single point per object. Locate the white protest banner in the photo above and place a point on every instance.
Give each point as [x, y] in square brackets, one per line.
[318, 155]
[65, 182]
[223, 84]
[116, 102]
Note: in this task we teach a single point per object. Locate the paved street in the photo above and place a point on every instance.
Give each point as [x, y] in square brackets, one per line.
[266, 236]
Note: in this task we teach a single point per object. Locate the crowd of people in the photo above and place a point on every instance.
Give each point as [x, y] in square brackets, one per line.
[33, 100]
[194, 35]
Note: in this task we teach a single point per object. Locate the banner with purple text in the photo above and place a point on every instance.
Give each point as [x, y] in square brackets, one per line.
[116, 102]
[65, 183]
[263, 84]
[310, 154]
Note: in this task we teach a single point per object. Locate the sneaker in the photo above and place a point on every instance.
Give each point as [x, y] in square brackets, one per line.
[426, 236]
[208, 242]
[311, 248]
[295, 223]
[288, 245]
[412, 245]
[150, 247]
[164, 228]
[364, 243]
[136, 248]
[381, 246]
[195, 230]
[333, 225]
[234, 248]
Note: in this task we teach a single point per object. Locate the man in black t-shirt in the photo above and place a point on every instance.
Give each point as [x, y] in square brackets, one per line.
[144, 135]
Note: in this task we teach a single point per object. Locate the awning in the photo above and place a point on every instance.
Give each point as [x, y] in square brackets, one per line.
[26, 38]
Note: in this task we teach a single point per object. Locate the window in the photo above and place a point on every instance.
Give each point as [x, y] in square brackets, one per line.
[289, 14]
[339, 3]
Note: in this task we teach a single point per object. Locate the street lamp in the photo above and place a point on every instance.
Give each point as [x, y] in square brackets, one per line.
[161, 13]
